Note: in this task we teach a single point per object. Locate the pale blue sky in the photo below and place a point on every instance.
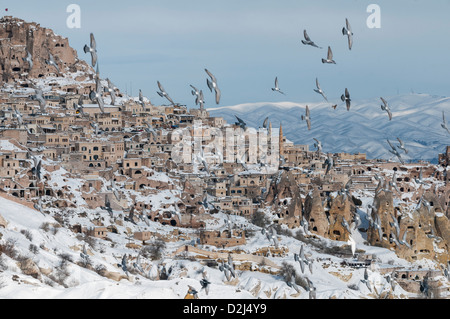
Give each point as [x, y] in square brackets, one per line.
[246, 44]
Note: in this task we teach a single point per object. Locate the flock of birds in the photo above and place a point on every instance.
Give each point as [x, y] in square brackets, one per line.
[228, 267]
[345, 97]
[98, 96]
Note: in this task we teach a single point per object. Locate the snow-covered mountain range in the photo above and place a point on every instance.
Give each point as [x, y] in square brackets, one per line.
[365, 128]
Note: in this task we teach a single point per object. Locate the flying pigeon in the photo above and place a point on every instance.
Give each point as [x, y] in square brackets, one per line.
[123, 264]
[137, 264]
[149, 129]
[40, 99]
[97, 95]
[292, 284]
[163, 93]
[312, 290]
[29, 60]
[329, 163]
[356, 220]
[444, 123]
[192, 291]
[96, 127]
[385, 107]
[266, 122]
[308, 41]
[403, 241]
[241, 123]
[346, 225]
[394, 151]
[318, 145]
[419, 180]
[346, 98]
[271, 235]
[393, 183]
[141, 99]
[304, 223]
[395, 225]
[36, 170]
[302, 260]
[329, 58]
[115, 190]
[38, 206]
[276, 88]
[377, 224]
[20, 119]
[212, 85]
[402, 146]
[204, 282]
[111, 91]
[84, 253]
[107, 206]
[201, 100]
[319, 90]
[366, 279]
[51, 61]
[307, 118]
[92, 49]
[352, 244]
[348, 32]
[79, 105]
[195, 92]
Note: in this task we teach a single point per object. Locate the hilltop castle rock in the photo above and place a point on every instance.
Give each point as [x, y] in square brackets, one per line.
[18, 37]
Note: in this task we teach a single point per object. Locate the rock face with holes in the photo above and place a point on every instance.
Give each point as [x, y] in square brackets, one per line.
[330, 218]
[421, 233]
[315, 213]
[18, 37]
[340, 213]
[284, 198]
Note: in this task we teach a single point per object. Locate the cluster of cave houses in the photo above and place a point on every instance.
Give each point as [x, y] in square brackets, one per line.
[123, 149]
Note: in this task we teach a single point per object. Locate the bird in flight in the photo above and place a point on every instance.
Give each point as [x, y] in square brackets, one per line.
[110, 90]
[92, 49]
[195, 92]
[319, 90]
[346, 98]
[394, 151]
[97, 95]
[308, 41]
[277, 88]
[307, 118]
[402, 146]
[51, 61]
[329, 58]
[385, 107]
[163, 93]
[40, 99]
[444, 123]
[29, 60]
[212, 85]
[348, 32]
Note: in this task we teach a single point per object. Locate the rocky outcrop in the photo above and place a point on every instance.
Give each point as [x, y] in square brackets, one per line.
[340, 214]
[315, 214]
[18, 37]
[284, 198]
[422, 233]
[383, 213]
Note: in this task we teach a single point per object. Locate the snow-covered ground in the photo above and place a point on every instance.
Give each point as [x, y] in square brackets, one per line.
[26, 227]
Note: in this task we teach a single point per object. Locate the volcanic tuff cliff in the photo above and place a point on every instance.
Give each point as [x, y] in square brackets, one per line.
[17, 37]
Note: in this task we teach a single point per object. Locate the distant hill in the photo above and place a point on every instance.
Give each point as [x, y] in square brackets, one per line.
[365, 128]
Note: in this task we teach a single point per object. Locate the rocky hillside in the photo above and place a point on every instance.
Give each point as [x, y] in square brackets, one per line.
[18, 37]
